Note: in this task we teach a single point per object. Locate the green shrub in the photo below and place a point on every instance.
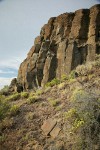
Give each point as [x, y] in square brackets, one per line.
[32, 99]
[59, 108]
[47, 89]
[39, 92]
[87, 68]
[84, 70]
[4, 108]
[74, 118]
[96, 63]
[6, 122]
[72, 112]
[77, 124]
[2, 138]
[24, 95]
[83, 118]
[14, 110]
[2, 97]
[61, 85]
[72, 75]
[78, 94]
[53, 103]
[64, 78]
[53, 82]
[4, 90]
[14, 97]
[97, 57]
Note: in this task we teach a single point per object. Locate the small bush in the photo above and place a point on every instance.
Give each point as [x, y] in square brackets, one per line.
[96, 63]
[78, 94]
[6, 123]
[5, 90]
[72, 112]
[24, 95]
[47, 89]
[14, 110]
[61, 85]
[32, 99]
[2, 97]
[39, 92]
[4, 109]
[72, 81]
[14, 97]
[53, 82]
[97, 57]
[2, 138]
[53, 103]
[74, 118]
[31, 94]
[30, 116]
[77, 124]
[64, 78]
[72, 75]
[83, 118]
[84, 70]
[87, 69]
[59, 108]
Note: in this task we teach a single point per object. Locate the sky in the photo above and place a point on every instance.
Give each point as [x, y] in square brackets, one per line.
[21, 22]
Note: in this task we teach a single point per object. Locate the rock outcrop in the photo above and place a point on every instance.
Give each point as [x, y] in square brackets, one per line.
[64, 42]
[15, 86]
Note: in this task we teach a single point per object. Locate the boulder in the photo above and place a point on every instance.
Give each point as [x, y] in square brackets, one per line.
[15, 86]
[54, 133]
[48, 125]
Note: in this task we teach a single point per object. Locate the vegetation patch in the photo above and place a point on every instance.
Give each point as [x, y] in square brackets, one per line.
[32, 99]
[61, 85]
[30, 116]
[14, 97]
[4, 108]
[2, 138]
[59, 108]
[24, 95]
[84, 70]
[47, 89]
[14, 110]
[55, 81]
[6, 123]
[39, 92]
[71, 113]
[83, 117]
[53, 103]
[5, 90]
[96, 63]
[78, 94]
[72, 75]
[64, 78]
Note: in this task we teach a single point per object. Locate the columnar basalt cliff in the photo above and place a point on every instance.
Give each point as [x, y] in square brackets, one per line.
[64, 42]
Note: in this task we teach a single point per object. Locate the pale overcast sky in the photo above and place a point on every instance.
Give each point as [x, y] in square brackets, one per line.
[21, 22]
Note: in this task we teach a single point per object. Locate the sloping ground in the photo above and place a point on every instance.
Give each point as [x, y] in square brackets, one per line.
[64, 115]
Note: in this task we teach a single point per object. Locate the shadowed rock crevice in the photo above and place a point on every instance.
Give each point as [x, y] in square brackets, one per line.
[53, 66]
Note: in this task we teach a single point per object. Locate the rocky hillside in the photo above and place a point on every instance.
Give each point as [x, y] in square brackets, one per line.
[63, 115]
[64, 42]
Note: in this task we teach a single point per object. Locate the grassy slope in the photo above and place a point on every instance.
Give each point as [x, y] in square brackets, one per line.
[74, 103]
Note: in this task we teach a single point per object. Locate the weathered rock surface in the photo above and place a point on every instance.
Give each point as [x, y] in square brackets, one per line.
[48, 126]
[15, 86]
[64, 42]
[54, 133]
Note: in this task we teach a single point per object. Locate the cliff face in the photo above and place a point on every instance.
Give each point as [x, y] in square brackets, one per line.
[64, 42]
